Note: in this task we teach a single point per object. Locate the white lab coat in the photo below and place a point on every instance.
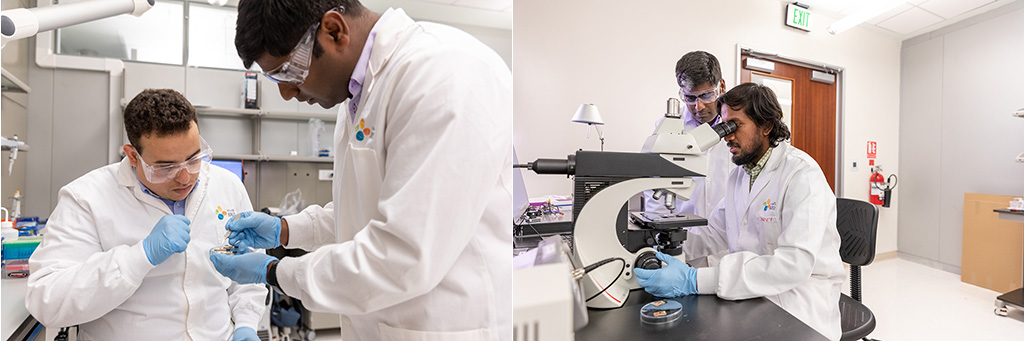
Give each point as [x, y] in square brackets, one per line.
[708, 190]
[415, 245]
[91, 269]
[781, 241]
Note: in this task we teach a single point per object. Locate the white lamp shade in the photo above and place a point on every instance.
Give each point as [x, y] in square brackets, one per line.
[587, 113]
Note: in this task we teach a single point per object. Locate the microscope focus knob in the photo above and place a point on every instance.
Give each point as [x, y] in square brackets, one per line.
[647, 260]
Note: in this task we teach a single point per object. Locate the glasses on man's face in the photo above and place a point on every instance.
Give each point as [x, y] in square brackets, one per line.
[705, 97]
[294, 70]
[166, 172]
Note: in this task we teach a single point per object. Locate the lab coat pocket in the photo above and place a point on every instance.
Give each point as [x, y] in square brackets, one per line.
[771, 229]
[364, 172]
[362, 181]
[364, 164]
[389, 333]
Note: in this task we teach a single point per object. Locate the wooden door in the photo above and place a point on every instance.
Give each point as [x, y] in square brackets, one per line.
[813, 113]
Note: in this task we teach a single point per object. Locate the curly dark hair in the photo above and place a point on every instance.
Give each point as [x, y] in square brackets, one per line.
[697, 68]
[761, 105]
[157, 111]
[275, 26]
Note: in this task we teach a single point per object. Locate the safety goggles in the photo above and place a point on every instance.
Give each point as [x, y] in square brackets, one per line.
[167, 172]
[296, 68]
[705, 97]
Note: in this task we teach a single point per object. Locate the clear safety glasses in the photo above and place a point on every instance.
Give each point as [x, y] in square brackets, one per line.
[296, 68]
[167, 172]
[705, 97]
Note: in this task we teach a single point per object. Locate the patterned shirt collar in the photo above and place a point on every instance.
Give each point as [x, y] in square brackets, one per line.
[755, 169]
[177, 207]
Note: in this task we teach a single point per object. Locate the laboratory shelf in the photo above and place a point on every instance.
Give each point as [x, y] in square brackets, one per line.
[287, 115]
[217, 111]
[298, 158]
[252, 157]
[264, 157]
[11, 83]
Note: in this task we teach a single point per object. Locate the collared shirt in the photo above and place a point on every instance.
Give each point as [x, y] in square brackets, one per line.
[755, 169]
[355, 85]
[690, 122]
[177, 207]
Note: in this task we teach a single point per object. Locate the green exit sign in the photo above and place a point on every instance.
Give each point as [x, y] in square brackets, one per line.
[798, 17]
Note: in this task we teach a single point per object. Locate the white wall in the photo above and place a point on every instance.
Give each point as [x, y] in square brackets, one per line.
[621, 56]
[960, 86]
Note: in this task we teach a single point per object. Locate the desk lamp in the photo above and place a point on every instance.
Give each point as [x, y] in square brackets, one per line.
[587, 113]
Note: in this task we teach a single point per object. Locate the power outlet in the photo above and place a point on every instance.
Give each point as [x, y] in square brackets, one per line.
[326, 174]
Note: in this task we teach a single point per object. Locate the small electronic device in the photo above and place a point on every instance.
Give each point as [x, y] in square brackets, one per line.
[250, 95]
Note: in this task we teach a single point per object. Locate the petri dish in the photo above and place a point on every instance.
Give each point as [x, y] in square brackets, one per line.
[661, 311]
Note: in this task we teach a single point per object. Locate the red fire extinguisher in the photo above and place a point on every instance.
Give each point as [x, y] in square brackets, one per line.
[875, 183]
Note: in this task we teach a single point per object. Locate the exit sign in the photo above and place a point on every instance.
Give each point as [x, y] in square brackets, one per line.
[798, 16]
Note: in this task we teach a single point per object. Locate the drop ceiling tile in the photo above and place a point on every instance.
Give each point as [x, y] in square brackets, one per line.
[910, 21]
[891, 13]
[493, 5]
[833, 6]
[445, 2]
[951, 8]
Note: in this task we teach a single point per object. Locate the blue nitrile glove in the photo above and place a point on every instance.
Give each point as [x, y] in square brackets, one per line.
[245, 334]
[676, 279]
[255, 229]
[169, 236]
[244, 269]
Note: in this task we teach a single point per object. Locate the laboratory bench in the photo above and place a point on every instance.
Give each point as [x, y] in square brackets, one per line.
[1013, 298]
[16, 322]
[705, 317]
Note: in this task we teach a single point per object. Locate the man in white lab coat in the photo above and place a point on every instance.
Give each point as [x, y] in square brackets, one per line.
[700, 83]
[777, 221]
[415, 244]
[125, 254]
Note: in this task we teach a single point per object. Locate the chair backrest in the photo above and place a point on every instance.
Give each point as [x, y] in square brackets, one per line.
[857, 222]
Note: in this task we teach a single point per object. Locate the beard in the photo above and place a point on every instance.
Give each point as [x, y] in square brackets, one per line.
[743, 158]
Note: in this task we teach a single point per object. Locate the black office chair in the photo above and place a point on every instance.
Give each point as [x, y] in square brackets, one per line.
[857, 223]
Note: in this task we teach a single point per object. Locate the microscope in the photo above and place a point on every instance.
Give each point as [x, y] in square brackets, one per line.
[603, 183]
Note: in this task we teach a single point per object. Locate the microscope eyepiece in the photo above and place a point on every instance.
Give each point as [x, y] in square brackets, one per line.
[724, 129]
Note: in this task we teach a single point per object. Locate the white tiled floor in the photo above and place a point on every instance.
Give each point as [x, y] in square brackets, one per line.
[917, 302]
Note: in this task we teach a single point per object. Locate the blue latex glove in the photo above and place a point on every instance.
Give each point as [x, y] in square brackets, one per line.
[255, 229]
[169, 236]
[676, 279]
[244, 269]
[245, 334]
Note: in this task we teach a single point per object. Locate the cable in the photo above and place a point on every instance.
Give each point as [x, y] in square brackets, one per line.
[591, 267]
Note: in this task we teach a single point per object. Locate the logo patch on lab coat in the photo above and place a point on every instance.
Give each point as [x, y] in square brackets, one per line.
[362, 131]
[769, 207]
[222, 213]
